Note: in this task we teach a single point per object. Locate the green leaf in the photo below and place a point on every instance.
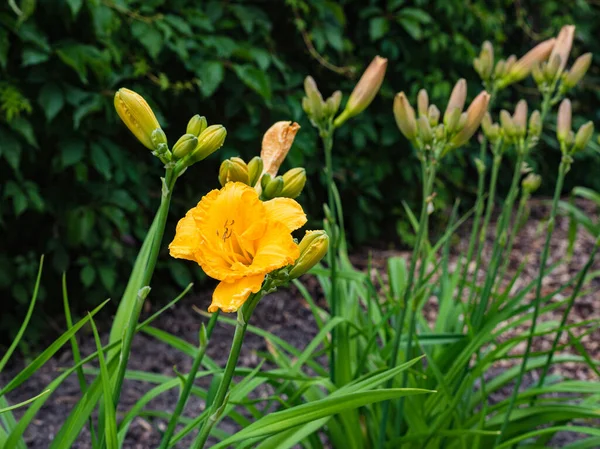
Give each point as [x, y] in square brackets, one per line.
[72, 152]
[4, 46]
[416, 14]
[101, 161]
[148, 36]
[93, 104]
[211, 74]
[75, 6]
[87, 275]
[10, 148]
[21, 404]
[412, 27]
[51, 99]
[24, 128]
[378, 27]
[255, 79]
[33, 56]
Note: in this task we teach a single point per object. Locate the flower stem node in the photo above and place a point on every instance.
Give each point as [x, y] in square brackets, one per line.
[233, 170]
[137, 115]
[294, 181]
[196, 125]
[313, 248]
[184, 146]
[209, 141]
[255, 169]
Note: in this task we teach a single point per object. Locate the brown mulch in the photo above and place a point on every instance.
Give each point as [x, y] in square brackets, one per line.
[286, 315]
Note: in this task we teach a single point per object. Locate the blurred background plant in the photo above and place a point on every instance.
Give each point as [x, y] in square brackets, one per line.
[73, 189]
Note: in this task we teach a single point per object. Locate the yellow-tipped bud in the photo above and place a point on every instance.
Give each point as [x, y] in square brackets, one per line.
[233, 170]
[211, 139]
[313, 248]
[583, 136]
[523, 67]
[457, 99]
[578, 71]
[196, 125]
[137, 115]
[255, 169]
[294, 181]
[434, 115]
[184, 146]
[365, 90]
[425, 132]
[535, 124]
[563, 120]
[405, 116]
[272, 187]
[562, 48]
[531, 183]
[475, 113]
[276, 143]
[422, 102]
[519, 118]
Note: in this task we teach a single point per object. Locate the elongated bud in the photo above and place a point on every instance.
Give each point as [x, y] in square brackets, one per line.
[211, 139]
[583, 136]
[510, 63]
[451, 119]
[531, 182]
[578, 71]
[425, 132]
[276, 143]
[233, 170]
[158, 138]
[499, 69]
[422, 103]
[519, 118]
[523, 67]
[535, 124]
[184, 146]
[537, 74]
[255, 169]
[294, 181]
[507, 123]
[313, 103]
[137, 115]
[196, 125]
[332, 104]
[313, 248]
[365, 90]
[563, 120]
[273, 188]
[405, 116]
[434, 115]
[552, 69]
[487, 124]
[562, 48]
[457, 99]
[462, 121]
[475, 113]
[486, 61]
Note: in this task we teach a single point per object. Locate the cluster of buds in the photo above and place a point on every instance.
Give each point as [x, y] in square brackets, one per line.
[199, 141]
[515, 128]
[322, 112]
[456, 128]
[571, 143]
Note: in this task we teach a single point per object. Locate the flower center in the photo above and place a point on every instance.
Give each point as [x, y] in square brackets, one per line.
[231, 245]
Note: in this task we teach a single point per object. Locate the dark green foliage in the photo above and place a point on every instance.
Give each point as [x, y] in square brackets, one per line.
[79, 188]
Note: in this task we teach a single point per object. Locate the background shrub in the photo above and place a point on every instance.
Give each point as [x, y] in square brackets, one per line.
[77, 187]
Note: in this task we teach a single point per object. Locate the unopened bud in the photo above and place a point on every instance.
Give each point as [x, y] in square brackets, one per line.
[521, 69]
[563, 120]
[562, 48]
[578, 71]
[158, 138]
[439, 132]
[276, 144]
[583, 136]
[233, 170]
[552, 69]
[537, 74]
[273, 187]
[531, 182]
[184, 146]
[211, 139]
[486, 61]
[365, 90]
[535, 124]
[487, 124]
[499, 69]
[313, 104]
[519, 118]
[462, 121]
[475, 113]
[507, 123]
[451, 119]
[457, 99]
[137, 115]
[196, 125]
[333, 104]
[425, 132]
[255, 169]
[422, 102]
[405, 116]
[294, 181]
[434, 115]
[509, 65]
[313, 248]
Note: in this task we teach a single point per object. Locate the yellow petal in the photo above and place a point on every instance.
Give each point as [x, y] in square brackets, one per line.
[275, 250]
[187, 239]
[230, 296]
[286, 211]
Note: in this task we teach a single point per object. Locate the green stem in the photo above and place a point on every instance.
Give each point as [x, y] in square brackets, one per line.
[219, 402]
[401, 316]
[562, 171]
[189, 383]
[570, 304]
[163, 211]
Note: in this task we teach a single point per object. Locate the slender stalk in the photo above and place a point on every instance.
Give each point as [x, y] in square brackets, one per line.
[401, 316]
[189, 383]
[570, 304]
[562, 171]
[163, 211]
[220, 400]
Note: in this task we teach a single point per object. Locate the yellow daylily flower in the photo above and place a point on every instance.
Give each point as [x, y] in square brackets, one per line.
[238, 239]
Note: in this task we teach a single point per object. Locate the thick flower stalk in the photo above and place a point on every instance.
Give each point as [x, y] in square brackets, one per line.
[238, 239]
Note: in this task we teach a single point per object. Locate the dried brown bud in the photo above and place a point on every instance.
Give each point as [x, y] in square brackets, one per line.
[276, 143]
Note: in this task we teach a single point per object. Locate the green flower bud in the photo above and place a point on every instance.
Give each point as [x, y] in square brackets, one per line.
[439, 132]
[422, 102]
[451, 119]
[294, 181]
[531, 182]
[313, 104]
[313, 248]
[535, 124]
[552, 68]
[233, 170]
[538, 74]
[425, 132]
[332, 104]
[184, 146]
[211, 139]
[583, 136]
[578, 71]
[265, 180]
[158, 137]
[273, 188]
[485, 62]
[507, 123]
[434, 115]
[462, 121]
[196, 125]
[405, 116]
[255, 169]
[499, 69]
